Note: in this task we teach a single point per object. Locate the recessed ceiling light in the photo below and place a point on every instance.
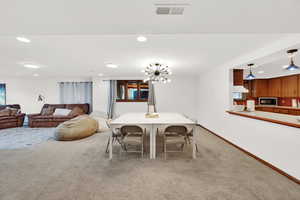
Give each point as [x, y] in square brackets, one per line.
[110, 65]
[23, 39]
[31, 66]
[36, 75]
[260, 72]
[141, 38]
[100, 74]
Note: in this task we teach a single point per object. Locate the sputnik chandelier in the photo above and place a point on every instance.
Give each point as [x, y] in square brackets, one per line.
[157, 72]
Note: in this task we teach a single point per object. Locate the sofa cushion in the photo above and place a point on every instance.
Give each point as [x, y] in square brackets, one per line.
[12, 120]
[61, 118]
[7, 117]
[76, 111]
[48, 110]
[61, 112]
[84, 107]
[16, 106]
[43, 118]
[13, 111]
[5, 112]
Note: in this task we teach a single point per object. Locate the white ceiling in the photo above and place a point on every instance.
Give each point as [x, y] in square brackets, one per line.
[86, 55]
[76, 38]
[138, 16]
[272, 65]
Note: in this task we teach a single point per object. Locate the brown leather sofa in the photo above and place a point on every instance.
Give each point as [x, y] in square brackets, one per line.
[11, 121]
[42, 120]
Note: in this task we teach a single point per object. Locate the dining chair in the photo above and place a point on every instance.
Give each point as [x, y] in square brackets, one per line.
[190, 134]
[116, 136]
[132, 135]
[176, 135]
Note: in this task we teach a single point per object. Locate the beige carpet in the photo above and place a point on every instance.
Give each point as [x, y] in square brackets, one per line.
[80, 170]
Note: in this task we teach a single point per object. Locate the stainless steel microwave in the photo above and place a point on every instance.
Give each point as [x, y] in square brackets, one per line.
[271, 101]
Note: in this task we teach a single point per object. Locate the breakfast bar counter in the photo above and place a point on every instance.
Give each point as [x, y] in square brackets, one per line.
[284, 119]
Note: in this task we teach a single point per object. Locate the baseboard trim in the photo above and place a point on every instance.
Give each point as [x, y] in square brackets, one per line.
[255, 157]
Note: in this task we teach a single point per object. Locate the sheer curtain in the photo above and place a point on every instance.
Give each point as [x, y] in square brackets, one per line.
[76, 92]
[112, 99]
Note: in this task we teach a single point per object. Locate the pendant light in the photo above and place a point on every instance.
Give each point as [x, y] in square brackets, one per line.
[291, 53]
[250, 76]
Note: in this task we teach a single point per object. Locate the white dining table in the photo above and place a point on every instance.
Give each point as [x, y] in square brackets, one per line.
[151, 125]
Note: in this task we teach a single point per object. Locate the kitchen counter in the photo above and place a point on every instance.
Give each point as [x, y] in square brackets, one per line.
[284, 119]
[270, 106]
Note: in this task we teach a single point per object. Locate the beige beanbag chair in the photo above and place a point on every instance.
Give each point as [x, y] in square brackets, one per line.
[102, 120]
[76, 128]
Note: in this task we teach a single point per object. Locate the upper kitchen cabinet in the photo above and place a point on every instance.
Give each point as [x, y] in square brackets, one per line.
[289, 86]
[260, 88]
[275, 87]
[238, 77]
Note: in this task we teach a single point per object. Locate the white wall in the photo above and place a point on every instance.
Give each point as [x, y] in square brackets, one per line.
[25, 91]
[274, 143]
[177, 96]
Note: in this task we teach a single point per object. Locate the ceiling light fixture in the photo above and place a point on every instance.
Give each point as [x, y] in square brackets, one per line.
[141, 38]
[23, 39]
[250, 76]
[32, 66]
[100, 74]
[110, 65]
[157, 73]
[291, 54]
[35, 75]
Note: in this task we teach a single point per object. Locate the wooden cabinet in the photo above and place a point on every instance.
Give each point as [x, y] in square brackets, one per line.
[284, 111]
[294, 112]
[298, 85]
[286, 86]
[274, 89]
[276, 109]
[267, 109]
[260, 88]
[238, 77]
[289, 86]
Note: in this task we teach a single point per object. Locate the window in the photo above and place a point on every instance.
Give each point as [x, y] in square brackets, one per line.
[2, 94]
[76, 92]
[132, 91]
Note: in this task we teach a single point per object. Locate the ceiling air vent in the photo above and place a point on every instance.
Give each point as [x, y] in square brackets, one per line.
[163, 10]
[170, 9]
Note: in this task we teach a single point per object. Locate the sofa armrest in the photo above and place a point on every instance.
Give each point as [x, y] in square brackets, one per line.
[33, 115]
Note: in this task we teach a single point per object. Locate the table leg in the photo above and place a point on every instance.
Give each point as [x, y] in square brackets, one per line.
[154, 142]
[194, 142]
[150, 145]
[110, 145]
